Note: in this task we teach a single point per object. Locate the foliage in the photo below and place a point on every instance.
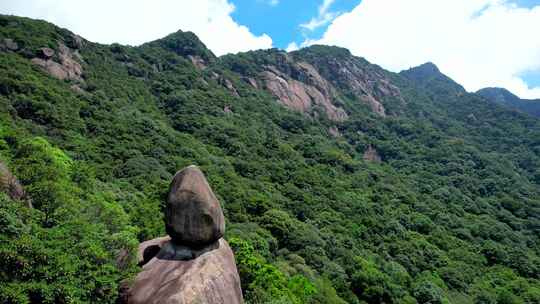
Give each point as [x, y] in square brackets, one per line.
[450, 215]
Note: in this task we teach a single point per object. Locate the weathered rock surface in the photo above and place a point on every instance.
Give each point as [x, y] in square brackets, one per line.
[211, 278]
[46, 52]
[372, 155]
[9, 45]
[197, 62]
[194, 264]
[366, 83]
[193, 215]
[304, 96]
[67, 68]
[305, 86]
[149, 249]
[11, 186]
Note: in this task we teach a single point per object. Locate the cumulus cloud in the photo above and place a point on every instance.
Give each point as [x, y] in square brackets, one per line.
[479, 43]
[137, 21]
[292, 47]
[324, 16]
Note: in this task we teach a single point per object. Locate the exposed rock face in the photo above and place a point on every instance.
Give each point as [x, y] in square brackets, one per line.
[197, 62]
[372, 155]
[194, 264]
[9, 45]
[304, 86]
[149, 249]
[334, 131]
[11, 186]
[304, 95]
[193, 215]
[210, 278]
[46, 52]
[369, 85]
[67, 67]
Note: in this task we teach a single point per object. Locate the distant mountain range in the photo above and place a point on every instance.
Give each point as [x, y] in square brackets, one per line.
[506, 98]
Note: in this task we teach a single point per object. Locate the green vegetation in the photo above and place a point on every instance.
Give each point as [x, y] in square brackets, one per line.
[451, 215]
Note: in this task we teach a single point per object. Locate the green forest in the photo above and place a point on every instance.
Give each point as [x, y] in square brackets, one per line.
[449, 213]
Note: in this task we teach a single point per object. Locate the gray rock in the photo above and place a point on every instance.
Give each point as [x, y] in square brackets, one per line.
[67, 67]
[12, 187]
[193, 215]
[211, 278]
[149, 249]
[46, 52]
[9, 44]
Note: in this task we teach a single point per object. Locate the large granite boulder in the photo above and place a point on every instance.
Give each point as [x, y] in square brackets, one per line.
[193, 215]
[211, 278]
[194, 264]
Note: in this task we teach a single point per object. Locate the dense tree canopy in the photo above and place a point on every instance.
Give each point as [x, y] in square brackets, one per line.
[450, 215]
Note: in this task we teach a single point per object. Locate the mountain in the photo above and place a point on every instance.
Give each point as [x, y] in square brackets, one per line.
[340, 182]
[506, 98]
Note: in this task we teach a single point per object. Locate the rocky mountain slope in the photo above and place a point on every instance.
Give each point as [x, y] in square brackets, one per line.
[340, 182]
[504, 97]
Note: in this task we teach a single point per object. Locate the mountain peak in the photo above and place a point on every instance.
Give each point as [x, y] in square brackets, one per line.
[506, 98]
[184, 44]
[429, 75]
[496, 93]
[425, 70]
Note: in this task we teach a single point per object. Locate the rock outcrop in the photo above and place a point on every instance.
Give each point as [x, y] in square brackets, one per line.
[11, 186]
[305, 94]
[304, 82]
[7, 44]
[372, 155]
[369, 85]
[194, 264]
[63, 66]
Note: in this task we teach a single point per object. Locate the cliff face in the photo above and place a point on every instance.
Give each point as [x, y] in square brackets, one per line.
[195, 264]
[318, 80]
[302, 89]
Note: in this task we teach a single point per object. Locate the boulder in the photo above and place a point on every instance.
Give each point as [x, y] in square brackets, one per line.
[10, 185]
[372, 155]
[67, 67]
[193, 214]
[149, 249]
[194, 264]
[211, 278]
[9, 44]
[46, 52]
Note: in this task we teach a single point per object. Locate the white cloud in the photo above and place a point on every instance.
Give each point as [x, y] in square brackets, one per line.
[292, 47]
[478, 43]
[273, 2]
[138, 21]
[324, 16]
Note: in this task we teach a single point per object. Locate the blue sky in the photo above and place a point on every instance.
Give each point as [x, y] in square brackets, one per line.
[478, 43]
[281, 19]
[527, 3]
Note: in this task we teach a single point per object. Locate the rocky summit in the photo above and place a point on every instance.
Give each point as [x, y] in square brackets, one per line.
[194, 264]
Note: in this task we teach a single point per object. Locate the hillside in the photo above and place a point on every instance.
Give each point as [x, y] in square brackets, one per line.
[506, 98]
[340, 182]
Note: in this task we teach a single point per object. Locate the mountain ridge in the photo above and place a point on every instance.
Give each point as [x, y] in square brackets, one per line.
[444, 210]
[508, 99]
